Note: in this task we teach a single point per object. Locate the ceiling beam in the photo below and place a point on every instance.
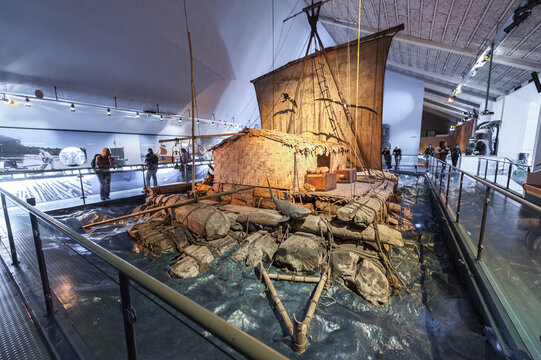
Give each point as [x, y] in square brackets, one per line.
[436, 45]
[454, 80]
[458, 112]
[436, 111]
[457, 101]
[439, 111]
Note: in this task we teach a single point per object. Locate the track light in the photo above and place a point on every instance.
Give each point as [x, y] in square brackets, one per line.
[108, 112]
[137, 116]
[72, 107]
[161, 117]
[451, 99]
[180, 120]
[197, 121]
[27, 102]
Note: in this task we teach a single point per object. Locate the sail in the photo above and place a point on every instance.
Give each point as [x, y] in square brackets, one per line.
[324, 96]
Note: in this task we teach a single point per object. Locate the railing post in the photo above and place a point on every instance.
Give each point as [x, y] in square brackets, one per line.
[496, 172]
[459, 196]
[441, 174]
[509, 175]
[128, 314]
[82, 187]
[144, 178]
[483, 224]
[447, 192]
[478, 166]
[486, 168]
[14, 259]
[41, 260]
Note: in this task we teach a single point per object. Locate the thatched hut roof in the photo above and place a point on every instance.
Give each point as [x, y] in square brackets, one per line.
[298, 142]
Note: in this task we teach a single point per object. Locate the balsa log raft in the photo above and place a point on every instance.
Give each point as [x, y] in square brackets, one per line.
[315, 225]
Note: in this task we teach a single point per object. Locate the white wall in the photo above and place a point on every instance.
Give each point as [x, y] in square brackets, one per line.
[520, 118]
[138, 52]
[403, 110]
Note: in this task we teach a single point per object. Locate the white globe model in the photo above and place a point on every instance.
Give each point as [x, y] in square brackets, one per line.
[72, 156]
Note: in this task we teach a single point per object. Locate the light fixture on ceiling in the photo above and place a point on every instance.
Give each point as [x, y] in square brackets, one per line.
[108, 112]
[161, 117]
[137, 116]
[9, 101]
[451, 99]
[180, 120]
[72, 107]
[27, 102]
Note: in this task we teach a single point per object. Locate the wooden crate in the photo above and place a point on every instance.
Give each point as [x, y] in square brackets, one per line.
[323, 182]
[346, 176]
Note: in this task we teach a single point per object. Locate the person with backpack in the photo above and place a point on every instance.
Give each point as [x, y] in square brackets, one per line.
[151, 162]
[104, 163]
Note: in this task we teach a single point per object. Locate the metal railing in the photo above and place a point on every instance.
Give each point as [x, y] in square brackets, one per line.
[407, 161]
[440, 174]
[81, 173]
[502, 166]
[229, 334]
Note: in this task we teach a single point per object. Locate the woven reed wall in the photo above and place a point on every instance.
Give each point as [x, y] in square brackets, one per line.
[249, 160]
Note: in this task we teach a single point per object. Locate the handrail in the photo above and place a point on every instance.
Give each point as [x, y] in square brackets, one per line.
[119, 168]
[496, 188]
[228, 333]
[507, 161]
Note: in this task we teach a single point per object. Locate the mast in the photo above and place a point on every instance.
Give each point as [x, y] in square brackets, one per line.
[193, 116]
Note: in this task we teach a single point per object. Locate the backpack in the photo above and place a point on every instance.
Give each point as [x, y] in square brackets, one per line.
[93, 162]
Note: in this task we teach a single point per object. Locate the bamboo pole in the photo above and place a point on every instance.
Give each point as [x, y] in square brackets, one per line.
[198, 137]
[301, 328]
[276, 299]
[193, 116]
[190, 201]
[294, 278]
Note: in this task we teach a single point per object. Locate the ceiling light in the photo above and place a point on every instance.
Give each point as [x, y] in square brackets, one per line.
[72, 107]
[180, 120]
[161, 117]
[9, 101]
[108, 112]
[451, 99]
[198, 122]
[137, 116]
[27, 102]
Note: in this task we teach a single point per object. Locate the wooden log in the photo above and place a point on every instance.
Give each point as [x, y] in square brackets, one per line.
[295, 278]
[301, 328]
[166, 207]
[276, 299]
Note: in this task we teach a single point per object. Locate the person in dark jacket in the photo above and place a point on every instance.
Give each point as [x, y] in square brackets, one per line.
[429, 151]
[387, 156]
[397, 153]
[455, 154]
[104, 163]
[151, 162]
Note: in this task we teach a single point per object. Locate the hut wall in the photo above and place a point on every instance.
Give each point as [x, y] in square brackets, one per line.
[249, 160]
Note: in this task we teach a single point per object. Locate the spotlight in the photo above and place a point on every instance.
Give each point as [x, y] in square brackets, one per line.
[137, 116]
[27, 102]
[72, 107]
[108, 112]
[9, 101]
[161, 117]
[487, 112]
[180, 120]
[486, 57]
[213, 119]
[198, 122]
[212, 123]
[451, 99]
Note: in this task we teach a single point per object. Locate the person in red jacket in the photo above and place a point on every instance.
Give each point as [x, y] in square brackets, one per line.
[104, 163]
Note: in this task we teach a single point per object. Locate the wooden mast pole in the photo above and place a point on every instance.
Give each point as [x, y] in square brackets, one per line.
[193, 116]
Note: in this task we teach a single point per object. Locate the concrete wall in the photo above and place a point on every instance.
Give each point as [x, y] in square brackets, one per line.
[402, 109]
